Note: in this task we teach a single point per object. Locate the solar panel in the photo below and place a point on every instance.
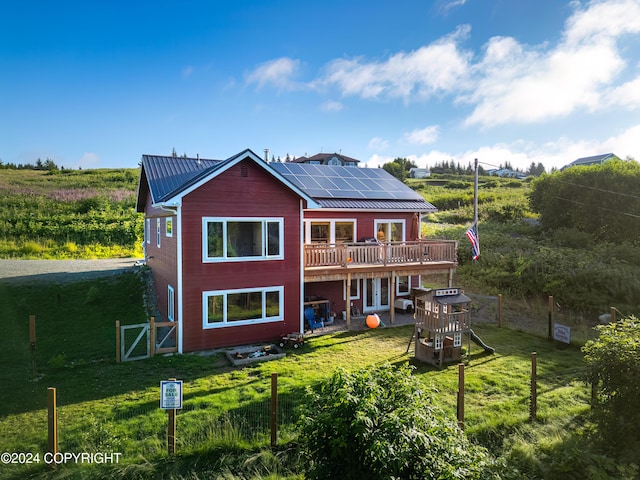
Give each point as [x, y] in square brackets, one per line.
[328, 181]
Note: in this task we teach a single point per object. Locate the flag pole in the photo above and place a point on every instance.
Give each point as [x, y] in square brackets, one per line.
[475, 193]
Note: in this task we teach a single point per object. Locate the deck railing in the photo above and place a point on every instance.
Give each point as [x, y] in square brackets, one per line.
[362, 254]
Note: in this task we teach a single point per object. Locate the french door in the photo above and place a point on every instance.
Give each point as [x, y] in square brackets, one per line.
[376, 294]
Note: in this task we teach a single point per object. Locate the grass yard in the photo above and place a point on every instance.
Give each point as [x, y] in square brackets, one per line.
[104, 406]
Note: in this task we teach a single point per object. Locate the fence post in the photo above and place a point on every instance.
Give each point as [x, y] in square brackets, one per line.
[613, 314]
[533, 413]
[550, 317]
[52, 421]
[117, 341]
[152, 336]
[171, 429]
[499, 310]
[461, 395]
[274, 409]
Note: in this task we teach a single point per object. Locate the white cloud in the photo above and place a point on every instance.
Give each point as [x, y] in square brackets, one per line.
[626, 95]
[524, 84]
[444, 6]
[626, 144]
[422, 73]
[331, 106]
[279, 73]
[424, 136]
[377, 143]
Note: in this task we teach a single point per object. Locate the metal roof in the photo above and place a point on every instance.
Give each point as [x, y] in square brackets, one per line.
[333, 187]
[168, 175]
[390, 205]
[593, 160]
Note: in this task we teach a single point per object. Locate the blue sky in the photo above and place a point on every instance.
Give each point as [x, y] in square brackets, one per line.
[99, 84]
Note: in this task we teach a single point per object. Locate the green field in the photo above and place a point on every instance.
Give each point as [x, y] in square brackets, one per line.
[104, 406]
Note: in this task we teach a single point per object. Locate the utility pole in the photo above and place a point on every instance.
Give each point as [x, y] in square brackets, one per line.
[475, 194]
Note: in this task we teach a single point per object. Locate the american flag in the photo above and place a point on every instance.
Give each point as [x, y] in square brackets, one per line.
[472, 235]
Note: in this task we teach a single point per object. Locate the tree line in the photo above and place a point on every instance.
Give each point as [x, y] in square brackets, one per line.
[400, 168]
[48, 165]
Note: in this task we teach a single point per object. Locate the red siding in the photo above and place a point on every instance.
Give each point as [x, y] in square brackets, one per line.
[162, 260]
[245, 190]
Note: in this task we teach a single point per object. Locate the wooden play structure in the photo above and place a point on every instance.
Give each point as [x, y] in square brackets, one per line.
[443, 317]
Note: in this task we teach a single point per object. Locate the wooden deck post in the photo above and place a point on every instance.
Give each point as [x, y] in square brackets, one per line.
[347, 307]
[392, 297]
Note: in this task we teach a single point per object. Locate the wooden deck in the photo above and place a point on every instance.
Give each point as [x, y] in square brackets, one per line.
[324, 262]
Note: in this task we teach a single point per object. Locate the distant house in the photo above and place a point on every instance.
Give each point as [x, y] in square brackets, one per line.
[505, 173]
[335, 159]
[594, 160]
[239, 247]
[419, 172]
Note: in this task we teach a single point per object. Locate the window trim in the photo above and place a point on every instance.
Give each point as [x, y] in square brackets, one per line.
[332, 228]
[381, 221]
[171, 303]
[265, 221]
[397, 282]
[147, 231]
[238, 323]
[158, 236]
[168, 227]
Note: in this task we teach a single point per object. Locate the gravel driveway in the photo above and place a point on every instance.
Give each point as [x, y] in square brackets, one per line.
[31, 271]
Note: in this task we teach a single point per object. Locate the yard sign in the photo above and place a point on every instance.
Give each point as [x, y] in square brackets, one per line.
[171, 394]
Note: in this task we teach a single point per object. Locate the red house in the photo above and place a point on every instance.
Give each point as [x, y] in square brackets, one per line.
[236, 247]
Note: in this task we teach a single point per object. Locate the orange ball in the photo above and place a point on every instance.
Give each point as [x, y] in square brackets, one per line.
[373, 320]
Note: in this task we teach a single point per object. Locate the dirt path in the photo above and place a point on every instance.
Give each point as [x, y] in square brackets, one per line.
[31, 271]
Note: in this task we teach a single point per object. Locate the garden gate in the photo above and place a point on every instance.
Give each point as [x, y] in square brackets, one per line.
[143, 340]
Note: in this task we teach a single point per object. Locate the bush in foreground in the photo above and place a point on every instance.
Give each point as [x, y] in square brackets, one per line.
[381, 423]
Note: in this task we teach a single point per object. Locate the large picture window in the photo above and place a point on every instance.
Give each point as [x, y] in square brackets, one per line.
[230, 239]
[242, 307]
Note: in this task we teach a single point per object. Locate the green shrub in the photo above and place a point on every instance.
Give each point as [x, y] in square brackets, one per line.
[613, 362]
[381, 423]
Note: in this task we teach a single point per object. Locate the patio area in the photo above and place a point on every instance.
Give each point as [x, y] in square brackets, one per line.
[358, 323]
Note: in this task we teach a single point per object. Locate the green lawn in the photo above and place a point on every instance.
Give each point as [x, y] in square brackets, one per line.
[104, 406]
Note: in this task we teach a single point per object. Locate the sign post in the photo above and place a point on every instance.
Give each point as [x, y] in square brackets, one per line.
[171, 400]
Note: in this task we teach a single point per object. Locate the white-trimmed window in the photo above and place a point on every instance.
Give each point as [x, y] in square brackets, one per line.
[168, 227]
[225, 308]
[355, 289]
[390, 230]
[171, 303]
[330, 231]
[158, 232]
[403, 285]
[242, 239]
[147, 230]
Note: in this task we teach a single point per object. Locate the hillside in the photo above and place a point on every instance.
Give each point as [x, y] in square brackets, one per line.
[70, 214]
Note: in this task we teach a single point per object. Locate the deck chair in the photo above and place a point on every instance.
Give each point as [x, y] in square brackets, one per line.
[310, 317]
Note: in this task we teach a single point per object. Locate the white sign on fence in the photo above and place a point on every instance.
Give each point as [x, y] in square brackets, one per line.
[561, 333]
[171, 394]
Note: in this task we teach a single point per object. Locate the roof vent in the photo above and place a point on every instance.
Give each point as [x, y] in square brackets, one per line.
[244, 171]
